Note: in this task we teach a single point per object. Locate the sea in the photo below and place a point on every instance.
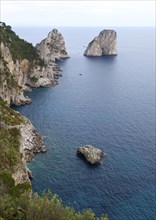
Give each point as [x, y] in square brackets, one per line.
[107, 102]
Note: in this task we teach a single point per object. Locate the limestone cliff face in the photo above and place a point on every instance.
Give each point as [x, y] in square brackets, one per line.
[31, 142]
[19, 142]
[21, 69]
[21, 74]
[104, 44]
[53, 47]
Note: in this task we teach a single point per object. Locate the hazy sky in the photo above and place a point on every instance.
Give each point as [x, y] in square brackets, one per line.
[78, 13]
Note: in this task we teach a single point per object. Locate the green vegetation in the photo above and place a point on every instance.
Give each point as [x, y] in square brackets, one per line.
[8, 116]
[9, 189]
[33, 79]
[9, 137]
[10, 155]
[44, 207]
[5, 75]
[19, 48]
[9, 146]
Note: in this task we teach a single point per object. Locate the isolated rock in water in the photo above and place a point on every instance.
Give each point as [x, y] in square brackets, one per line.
[53, 47]
[104, 44]
[91, 154]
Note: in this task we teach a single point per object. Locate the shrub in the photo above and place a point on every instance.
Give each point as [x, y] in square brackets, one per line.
[45, 207]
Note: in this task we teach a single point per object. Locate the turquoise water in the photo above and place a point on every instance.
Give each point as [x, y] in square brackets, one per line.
[111, 106]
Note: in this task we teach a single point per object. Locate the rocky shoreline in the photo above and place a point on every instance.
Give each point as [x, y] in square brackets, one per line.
[22, 70]
[31, 142]
[20, 73]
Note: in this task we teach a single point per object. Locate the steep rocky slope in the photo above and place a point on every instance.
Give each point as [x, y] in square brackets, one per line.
[19, 141]
[103, 44]
[53, 47]
[21, 68]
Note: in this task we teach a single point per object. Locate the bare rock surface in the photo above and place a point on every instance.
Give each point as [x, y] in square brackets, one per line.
[31, 141]
[24, 76]
[53, 47]
[91, 154]
[103, 44]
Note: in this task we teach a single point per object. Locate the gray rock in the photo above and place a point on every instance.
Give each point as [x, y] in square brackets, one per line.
[104, 44]
[53, 47]
[31, 141]
[91, 154]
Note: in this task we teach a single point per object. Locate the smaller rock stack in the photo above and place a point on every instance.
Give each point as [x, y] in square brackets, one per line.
[91, 154]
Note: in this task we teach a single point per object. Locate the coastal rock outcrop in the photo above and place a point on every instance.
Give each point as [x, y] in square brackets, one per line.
[53, 47]
[23, 68]
[21, 75]
[91, 154]
[103, 44]
[19, 143]
[31, 141]
[20, 70]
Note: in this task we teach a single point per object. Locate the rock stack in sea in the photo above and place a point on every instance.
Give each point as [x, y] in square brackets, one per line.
[53, 47]
[92, 154]
[103, 44]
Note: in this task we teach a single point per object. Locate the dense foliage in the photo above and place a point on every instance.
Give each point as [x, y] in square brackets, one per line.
[19, 48]
[9, 137]
[9, 147]
[45, 207]
[8, 116]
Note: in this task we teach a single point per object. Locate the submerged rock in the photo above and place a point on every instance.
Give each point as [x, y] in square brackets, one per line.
[91, 154]
[104, 44]
[53, 47]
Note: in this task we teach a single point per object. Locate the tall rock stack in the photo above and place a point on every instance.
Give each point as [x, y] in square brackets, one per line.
[53, 47]
[104, 44]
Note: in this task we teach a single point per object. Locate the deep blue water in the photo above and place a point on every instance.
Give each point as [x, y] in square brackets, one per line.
[111, 106]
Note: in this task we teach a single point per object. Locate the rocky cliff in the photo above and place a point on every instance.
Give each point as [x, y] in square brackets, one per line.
[19, 142]
[21, 68]
[103, 44]
[53, 47]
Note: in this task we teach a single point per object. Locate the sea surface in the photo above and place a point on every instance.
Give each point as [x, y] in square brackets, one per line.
[110, 106]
